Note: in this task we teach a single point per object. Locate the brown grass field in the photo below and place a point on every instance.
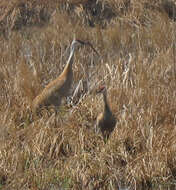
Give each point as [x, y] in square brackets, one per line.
[137, 63]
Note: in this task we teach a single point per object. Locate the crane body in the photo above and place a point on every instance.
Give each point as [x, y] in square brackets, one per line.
[106, 121]
[53, 93]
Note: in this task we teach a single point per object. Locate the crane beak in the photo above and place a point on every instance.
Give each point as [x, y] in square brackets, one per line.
[81, 42]
[89, 44]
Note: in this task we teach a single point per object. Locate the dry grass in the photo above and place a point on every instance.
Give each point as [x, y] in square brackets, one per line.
[62, 151]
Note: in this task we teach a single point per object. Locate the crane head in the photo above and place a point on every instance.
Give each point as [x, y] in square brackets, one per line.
[76, 44]
[101, 89]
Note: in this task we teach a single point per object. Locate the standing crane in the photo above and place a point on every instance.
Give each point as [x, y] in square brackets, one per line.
[53, 93]
[106, 121]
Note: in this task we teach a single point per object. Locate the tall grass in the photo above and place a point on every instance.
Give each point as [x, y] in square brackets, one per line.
[136, 64]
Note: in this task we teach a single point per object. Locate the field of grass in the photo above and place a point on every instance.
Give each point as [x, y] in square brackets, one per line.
[136, 42]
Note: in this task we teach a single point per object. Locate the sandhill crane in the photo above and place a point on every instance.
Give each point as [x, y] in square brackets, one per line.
[105, 121]
[53, 93]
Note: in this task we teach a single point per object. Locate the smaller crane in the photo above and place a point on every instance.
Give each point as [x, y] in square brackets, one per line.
[106, 121]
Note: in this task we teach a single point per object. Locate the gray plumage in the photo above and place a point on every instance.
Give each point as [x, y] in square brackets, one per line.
[106, 121]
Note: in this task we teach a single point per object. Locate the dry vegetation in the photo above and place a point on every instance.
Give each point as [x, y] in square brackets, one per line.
[136, 40]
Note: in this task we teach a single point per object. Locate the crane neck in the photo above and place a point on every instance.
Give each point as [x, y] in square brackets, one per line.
[69, 63]
[106, 105]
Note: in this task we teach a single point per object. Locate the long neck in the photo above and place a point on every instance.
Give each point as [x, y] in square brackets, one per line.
[68, 66]
[106, 106]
